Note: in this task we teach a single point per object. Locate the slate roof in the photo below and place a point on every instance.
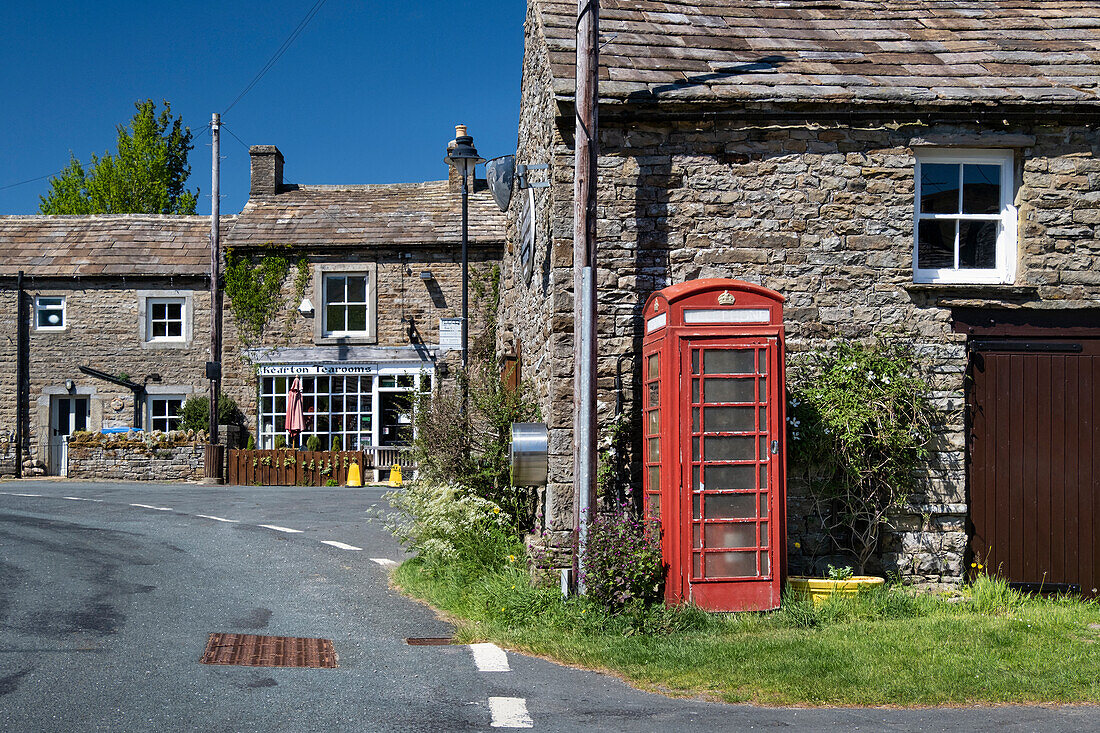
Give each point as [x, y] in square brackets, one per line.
[918, 53]
[375, 215]
[106, 245]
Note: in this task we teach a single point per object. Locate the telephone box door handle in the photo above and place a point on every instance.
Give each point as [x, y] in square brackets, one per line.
[775, 447]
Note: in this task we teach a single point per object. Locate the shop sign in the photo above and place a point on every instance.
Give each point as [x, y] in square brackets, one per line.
[313, 370]
[450, 333]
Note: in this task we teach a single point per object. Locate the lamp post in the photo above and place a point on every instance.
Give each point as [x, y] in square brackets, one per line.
[463, 157]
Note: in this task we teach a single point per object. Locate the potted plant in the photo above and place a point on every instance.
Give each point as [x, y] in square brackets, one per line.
[839, 581]
[859, 424]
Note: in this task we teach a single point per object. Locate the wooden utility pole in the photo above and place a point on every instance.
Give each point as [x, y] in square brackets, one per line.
[213, 369]
[586, 151]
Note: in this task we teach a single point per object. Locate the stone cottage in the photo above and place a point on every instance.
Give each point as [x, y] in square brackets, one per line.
[922, 168]
[122, 295]
[373, 299]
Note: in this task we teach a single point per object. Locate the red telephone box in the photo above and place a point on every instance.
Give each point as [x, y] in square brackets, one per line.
[715, 459]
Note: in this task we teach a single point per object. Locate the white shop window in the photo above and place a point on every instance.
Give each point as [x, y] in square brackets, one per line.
[49, 313]
[163, 411]
[964, 219]
[361, 410]
[164, 319]
[346, 307]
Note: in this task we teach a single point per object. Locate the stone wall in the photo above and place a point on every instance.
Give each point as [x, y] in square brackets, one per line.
[821, 212]
[138, 456]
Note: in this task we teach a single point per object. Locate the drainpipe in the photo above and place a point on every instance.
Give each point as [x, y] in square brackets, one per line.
[21, 360]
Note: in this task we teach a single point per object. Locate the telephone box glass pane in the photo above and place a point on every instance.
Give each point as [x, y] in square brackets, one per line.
[762, 359]
[654, 479]
[655, 506]
[731, 564]
[764, 563]
[695, 419]
[695, 478]
[654, 395]
[731, 506]
[695, 565]
[729, 449]
[763, 391]
[729, 419]
[696, 540]
[654, 422]
[730, 535]
[763, 534]
[729, 390]
[763, 505]
[695, 390]
[763, 419]
[653, 373]
[763, 476]
[654, 450]
[695, 507]
[728, 361]
[694, 361]
[720, 478]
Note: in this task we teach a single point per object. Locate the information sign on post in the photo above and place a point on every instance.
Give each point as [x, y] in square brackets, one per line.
[450, 334]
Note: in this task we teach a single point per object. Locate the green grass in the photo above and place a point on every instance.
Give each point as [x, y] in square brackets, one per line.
[889, 647]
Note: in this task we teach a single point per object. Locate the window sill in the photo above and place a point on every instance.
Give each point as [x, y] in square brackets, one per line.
[180, 344]
[350, 340]
[988, 289]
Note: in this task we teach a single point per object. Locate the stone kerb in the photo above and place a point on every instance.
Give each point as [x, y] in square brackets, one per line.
[138, 456]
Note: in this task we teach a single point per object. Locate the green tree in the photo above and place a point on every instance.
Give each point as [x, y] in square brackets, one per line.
[146, 175]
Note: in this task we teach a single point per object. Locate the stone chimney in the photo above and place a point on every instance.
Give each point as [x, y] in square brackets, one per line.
[267, 170]
[454, 181]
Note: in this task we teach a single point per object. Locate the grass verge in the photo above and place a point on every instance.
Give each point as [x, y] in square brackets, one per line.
[888, 647]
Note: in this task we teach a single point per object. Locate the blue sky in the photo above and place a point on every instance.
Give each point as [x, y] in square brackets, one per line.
[368, 93]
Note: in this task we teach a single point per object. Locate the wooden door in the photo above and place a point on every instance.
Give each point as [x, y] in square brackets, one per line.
[1034, 472]
[730, 526]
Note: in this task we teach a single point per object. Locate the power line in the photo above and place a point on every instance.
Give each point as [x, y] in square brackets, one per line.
[235, 137]
[279, 53]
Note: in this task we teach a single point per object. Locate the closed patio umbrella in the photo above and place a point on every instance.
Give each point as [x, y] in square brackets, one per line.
[295, 421]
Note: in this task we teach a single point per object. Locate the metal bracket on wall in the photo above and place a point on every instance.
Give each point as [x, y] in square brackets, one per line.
[521, 175]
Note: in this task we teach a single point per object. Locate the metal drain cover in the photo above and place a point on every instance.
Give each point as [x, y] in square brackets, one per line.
[429, 640]
[250, 650]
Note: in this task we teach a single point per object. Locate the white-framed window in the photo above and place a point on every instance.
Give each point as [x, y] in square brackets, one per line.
[163, 411]
[49, 313]
[346, 307]
[165, 319]
[964, 222]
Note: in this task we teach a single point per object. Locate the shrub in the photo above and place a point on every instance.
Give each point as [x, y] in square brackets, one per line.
[251, 444]
[313, 443]
[859, 423]
[622, 560]
[445, 523]
[335, 443]
[195, 412]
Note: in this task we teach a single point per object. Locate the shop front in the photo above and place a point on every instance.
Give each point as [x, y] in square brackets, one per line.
[364, 405]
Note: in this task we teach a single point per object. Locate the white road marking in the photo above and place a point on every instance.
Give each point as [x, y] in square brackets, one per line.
[155, 508]
[340, 545]
[385, 562]
[277, 528]
[35, 495]
[509, 712]
[81, 498]
[218, 519]
[490, 658]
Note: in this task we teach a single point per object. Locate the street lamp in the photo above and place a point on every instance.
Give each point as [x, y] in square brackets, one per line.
[463, 157]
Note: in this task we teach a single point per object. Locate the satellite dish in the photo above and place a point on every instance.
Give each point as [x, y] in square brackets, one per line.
[500, 172]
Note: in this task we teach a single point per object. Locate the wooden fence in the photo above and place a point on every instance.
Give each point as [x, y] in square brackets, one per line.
[292, 467]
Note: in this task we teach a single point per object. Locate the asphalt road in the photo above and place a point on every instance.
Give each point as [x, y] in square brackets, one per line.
[108, 593]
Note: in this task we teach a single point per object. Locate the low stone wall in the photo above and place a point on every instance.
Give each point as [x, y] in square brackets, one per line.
[7, 453]
[138, 456]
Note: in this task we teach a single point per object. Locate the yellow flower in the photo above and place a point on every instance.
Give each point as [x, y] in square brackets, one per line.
[980, 566]
[798, 545]
[496, 510]
[502, 608]
[512, 558]
[973, 564]
[513, 587]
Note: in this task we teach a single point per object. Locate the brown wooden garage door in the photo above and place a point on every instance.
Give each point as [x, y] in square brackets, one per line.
[1034, 412]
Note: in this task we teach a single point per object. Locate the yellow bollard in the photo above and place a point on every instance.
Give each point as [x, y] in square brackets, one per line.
[354, 479]
[395, 475]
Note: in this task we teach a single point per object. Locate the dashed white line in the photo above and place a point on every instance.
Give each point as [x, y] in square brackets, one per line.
[277, 528]
[509, 712]
[490, 658]
[218, 519]
[81, 498]
[385, 562]
[340, 545]
[154, 508]
[34, 495]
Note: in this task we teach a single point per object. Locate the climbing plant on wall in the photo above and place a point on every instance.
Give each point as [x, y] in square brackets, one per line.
[254, 287]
